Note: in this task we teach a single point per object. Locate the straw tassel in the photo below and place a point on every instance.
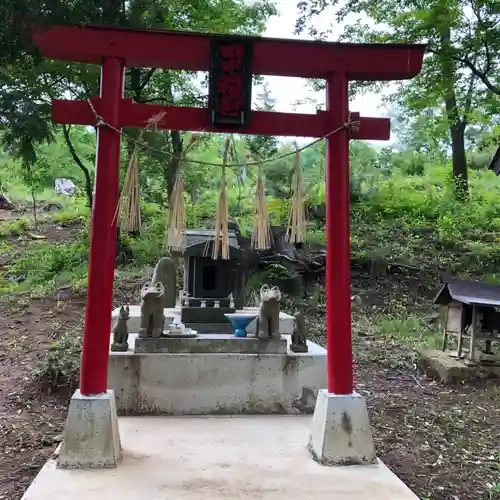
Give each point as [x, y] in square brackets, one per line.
[128, 211]
[220, 241]
[297, 221]
[176, 240]
[176, 232]
[261, 231]
[129, 207]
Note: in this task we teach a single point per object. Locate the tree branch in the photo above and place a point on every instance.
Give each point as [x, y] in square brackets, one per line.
[146, 78]
[468, 99]
[479, 74]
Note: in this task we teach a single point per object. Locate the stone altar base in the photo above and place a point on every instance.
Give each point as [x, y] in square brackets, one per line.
[220, 383]
[216, 343]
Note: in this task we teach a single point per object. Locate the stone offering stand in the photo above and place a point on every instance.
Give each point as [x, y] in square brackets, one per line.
[215, 372]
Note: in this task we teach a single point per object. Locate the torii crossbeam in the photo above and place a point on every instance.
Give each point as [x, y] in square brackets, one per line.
[115, 49]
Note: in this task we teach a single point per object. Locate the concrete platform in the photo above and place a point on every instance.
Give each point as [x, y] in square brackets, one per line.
[194, 384]
[204, 458]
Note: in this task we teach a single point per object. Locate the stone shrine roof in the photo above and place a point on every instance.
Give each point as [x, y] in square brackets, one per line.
[196, 239]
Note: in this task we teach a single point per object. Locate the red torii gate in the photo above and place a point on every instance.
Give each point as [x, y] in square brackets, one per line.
[115, 48]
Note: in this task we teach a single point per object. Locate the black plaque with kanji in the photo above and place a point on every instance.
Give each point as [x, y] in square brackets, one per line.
[230, 83]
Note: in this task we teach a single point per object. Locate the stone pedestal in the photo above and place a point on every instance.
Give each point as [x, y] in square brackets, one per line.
[216, 383]
[341, 433]
[211, 344]
[91, 437]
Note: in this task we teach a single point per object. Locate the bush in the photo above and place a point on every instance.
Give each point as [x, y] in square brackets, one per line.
[61, 365]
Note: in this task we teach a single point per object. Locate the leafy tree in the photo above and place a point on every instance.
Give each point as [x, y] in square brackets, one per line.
[27, 83]
[460, 35]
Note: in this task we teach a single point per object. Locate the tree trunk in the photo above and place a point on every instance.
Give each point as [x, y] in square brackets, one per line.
[170, 172]
[89, 185]
[459, 159]
[456, 123]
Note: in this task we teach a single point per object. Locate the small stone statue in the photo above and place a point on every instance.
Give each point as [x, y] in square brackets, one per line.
[152, 317]
[165, 273]
[231, 301]
[120, 331]
[299, 339]
[269, 313]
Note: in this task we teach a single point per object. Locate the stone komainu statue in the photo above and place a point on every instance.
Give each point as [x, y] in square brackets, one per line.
[152, 317]
[120, 330]
[269, 313]
[166, 274]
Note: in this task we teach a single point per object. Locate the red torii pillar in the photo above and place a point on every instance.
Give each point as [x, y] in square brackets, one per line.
[114, 49]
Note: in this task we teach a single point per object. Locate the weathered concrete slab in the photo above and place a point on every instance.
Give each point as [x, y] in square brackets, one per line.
[286, 321]
[448, 369]
[193, 384]
[444, 368]
[240, 457]
[211, 344]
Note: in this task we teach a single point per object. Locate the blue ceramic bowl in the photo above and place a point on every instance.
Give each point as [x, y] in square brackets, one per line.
[240, 321]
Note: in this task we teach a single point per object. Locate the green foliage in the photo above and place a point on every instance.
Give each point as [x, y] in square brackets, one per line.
[457, 94]
[61, 365]
[45, 263]
[28, 83]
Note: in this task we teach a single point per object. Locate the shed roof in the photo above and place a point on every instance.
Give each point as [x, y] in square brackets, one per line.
[468, 292]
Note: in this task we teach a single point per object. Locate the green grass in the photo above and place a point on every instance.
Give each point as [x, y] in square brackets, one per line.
[15, 227]
[410, 329]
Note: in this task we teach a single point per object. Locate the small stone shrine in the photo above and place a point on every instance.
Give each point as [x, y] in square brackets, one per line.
[212, 288]
[188, 359]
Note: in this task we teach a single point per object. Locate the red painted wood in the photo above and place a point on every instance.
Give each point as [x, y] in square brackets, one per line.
[95, 353]
[190, 51]
[177, 118]
[338, 270]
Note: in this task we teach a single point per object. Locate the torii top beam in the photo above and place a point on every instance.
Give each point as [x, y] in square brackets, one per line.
[190, 51]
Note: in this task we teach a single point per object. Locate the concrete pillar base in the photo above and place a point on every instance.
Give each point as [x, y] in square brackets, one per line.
[91, 437]
[341, 433]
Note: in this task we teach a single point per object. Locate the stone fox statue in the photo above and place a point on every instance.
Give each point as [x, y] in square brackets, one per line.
[152, 317]
[120, 330]
[269, 313]
[165, 273]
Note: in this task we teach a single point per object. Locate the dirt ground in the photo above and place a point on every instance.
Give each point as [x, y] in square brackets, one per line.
[441, 441]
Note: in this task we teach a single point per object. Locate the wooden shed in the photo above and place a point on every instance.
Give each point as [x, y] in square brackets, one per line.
[472, 314]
